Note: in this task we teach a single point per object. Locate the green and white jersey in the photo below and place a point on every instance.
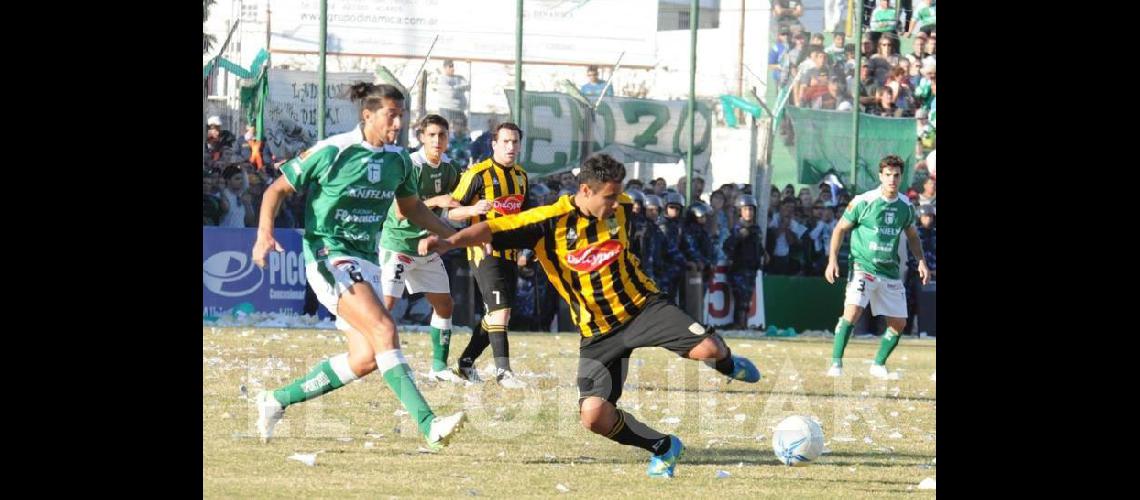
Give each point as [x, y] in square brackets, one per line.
[351, 185]
[401, 235]
[879, 229]
[925, 16]
[883, 20]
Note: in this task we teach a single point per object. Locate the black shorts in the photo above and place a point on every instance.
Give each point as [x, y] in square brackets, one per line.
[603, 361]
[496, 278]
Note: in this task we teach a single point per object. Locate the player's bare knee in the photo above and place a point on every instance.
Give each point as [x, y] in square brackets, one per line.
[500, 317]
[361, 364]
[595, 420]
[444, 307]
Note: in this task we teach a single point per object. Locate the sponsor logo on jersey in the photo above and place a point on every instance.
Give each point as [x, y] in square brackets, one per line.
[595, 256]
[509, 204]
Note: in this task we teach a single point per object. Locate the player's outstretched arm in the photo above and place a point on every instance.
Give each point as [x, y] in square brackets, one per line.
[479, 234]
[420, 215]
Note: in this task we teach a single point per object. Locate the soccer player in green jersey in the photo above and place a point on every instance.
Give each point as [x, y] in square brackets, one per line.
[351, 180]
[876, 219]
[400, 262]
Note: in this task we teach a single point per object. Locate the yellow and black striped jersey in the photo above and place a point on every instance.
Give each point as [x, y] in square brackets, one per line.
[504, 187]
[587, 260]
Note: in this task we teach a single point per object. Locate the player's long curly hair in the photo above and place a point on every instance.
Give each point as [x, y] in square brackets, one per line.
[371, 96]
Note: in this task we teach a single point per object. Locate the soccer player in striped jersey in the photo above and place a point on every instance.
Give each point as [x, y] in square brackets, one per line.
[582, 242]
[501, 181]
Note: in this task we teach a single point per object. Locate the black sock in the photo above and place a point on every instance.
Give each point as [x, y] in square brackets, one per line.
[630, 432]
[475, 347]
[725, 366]
[499, 346]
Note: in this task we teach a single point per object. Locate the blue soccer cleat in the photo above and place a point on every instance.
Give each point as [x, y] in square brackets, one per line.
[663, 465]
[745, 370]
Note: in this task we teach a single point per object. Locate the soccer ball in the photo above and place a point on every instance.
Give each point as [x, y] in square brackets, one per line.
[797, 440]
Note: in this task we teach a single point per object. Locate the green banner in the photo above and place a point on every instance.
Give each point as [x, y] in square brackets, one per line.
[823, 145]
[556, 127]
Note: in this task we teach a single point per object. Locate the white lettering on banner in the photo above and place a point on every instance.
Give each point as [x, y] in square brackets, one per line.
[286, 269]
[275, 294]
[553, 29]
[628, 129]
[291, 107]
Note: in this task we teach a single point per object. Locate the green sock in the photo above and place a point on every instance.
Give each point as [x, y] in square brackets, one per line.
[328, 375]
[842, 335]
[399, 377]
[440, 342]
[887, 346]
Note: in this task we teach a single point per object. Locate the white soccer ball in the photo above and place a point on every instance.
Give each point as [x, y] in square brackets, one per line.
[797, 440]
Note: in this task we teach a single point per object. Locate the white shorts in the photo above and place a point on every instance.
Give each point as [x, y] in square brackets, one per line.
[421, 273]
[331, 277]
[886, 296]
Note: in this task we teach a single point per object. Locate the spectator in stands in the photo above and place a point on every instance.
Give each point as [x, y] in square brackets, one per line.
[930, 50]
[924, 93]
[817, 90]
[821, 238]
[928, 196]
[481, 148]
[842, 201]
[836, 97]
[806, 198]
[788, 13]
[593, 87]
[885, 105]
[836, 55]
[239, 202]
[825, 195]
[784, 234]
[659, 186]
[776, 52]
[924, 19]
[866, 46]
[849, 62]
[918, 50]
[698, 188]
[459, 143]
[926, 134]
[868, 87]
[900, 86]
[885, 59]
[212, 210]
[253, 150]
[883, 21]
[219, 143]
[450, 91]
[791, 58]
